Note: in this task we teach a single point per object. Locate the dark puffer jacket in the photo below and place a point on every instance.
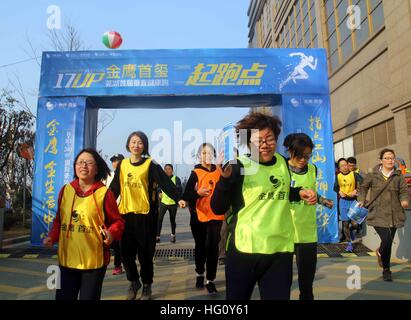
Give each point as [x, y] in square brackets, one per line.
[386, 211]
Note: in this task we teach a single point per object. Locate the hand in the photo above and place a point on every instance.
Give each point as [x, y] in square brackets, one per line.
[109, 238]
[360, 204]
[182, 204]
[204, 192]
[404, 204]
[227, 171]
[353, 194]
[342, 194]
[308, 196]
[328, 203]
[47, 242]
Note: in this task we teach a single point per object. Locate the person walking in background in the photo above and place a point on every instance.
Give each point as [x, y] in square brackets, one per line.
[389, 197]
[135, 180]
[346, 186]
[168, 204]
[115, 246]
[86, 223]
[205, 225]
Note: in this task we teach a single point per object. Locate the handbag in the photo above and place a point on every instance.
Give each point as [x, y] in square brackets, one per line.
[358, 214]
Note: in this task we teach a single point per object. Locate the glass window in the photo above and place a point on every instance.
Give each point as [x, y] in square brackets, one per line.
[312, 10]
[331, 24]
[342, 10]
[362, 34]
[373, 3]
[332, 42]
[306, 23]
[329, 7]
[377, 18]
[307, 39]
[334, 63]
[314, 44]
[300, 33]
[305, 7]
[344, 30]
[314, 28]
[346, 48]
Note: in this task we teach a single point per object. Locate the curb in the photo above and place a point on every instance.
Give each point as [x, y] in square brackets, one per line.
[10, 241]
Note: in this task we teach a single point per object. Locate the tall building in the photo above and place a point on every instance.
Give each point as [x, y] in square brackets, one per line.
[368, 45]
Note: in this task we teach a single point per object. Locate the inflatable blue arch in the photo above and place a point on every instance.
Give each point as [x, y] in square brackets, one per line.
[74, 85]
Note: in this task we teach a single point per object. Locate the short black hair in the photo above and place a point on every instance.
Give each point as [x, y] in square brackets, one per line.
[117, 157]
[352, 160]
[169, 165]
[339, 160]
[296, 143]
[384, 151]
[102, 168]
[143, 138]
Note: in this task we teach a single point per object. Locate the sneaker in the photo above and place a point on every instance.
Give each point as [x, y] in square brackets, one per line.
[210, 287]
[387, 275]
[158, 239]
[221, 261]
[378, 254]
[146, 294]
[117, 271]
[132, 290]
[349, 248]
[200, 282]
[173, 238]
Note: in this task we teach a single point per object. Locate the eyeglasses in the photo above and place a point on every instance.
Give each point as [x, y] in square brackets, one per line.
[388, 159]
[269, 141]
[84, 163]
[306, 157]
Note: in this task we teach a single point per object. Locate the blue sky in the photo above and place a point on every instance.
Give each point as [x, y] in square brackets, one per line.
[143, 24]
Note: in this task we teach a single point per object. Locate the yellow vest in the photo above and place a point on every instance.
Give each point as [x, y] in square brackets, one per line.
[346, 182]
[134, 187]
[80, 241]
[165, 198]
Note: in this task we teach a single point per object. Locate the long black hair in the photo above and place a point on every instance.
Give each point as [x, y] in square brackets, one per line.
[102, 168]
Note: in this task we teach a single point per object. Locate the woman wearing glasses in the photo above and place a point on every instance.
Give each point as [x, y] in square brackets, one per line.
[86, 223]
[136, 180]
[304, 174]
[386, 213]
[261, 233]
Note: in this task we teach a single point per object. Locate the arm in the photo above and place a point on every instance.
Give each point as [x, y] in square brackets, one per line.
[115, 183]
[364, 187]
[404, 197]
[190, 194]
[179, 187]
[114, 221]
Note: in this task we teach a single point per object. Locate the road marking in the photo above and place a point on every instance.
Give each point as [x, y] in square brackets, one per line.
[23, 271]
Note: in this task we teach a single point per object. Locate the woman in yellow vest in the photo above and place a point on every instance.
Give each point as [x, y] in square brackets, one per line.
[205, 225]
[86, 223]
[168, 204]
[346, 185]
[136, 180]
[304, 174]
[261, 234]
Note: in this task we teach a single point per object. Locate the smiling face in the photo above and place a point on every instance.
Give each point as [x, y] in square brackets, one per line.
[136, 146]
[343, 166]
[86, 168]
[265, 142]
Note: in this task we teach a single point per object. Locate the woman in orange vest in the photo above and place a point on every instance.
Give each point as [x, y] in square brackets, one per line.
[205, 225]
[86, 223]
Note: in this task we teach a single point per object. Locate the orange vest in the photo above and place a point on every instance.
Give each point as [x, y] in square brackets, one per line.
[209, 180]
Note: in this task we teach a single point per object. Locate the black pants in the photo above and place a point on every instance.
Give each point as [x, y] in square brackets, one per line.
[172, 211]
[222, 253]
[306, 256]
[387, 237]
[139, 239]
[206, 237]
[117, 253]
[272, 272]
[86, 282]
[348, 228]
